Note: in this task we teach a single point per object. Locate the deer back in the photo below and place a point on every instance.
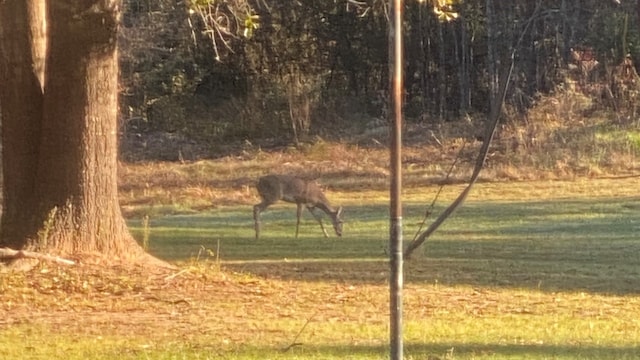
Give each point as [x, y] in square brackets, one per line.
[291, 189]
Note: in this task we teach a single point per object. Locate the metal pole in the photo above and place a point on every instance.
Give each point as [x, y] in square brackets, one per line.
[396, 277]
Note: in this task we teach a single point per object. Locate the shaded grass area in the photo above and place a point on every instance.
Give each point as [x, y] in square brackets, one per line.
[554, 245]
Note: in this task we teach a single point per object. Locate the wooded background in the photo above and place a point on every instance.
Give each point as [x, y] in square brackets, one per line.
[321, 68]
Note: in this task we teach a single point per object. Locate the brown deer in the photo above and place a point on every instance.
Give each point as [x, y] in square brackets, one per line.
[273, 188]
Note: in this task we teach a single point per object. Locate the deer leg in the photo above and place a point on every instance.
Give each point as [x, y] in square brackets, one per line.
[298, 214]
[256, 220]
[257, 209]
[318, 218]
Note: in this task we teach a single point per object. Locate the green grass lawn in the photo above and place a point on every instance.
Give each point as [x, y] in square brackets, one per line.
[538, 270]
[552, 243]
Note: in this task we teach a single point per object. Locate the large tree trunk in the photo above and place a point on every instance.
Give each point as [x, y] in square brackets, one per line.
[22, 48]
[72, 206]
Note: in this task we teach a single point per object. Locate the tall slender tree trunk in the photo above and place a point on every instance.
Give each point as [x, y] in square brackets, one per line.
[565, 33]
[463, 65]
[442, 82]
[423, 34]
[492, 57]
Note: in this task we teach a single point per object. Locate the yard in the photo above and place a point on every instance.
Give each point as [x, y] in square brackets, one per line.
[545, 269]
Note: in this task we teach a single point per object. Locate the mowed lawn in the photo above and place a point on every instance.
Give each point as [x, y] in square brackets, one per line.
[523, 270]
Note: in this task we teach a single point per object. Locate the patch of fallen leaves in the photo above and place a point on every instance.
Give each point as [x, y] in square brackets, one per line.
[179, 303]
[202, 299]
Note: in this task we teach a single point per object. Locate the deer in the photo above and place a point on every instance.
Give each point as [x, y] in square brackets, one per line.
[274, 188]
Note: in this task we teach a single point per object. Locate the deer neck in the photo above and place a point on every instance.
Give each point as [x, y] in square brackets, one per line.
[324, 206]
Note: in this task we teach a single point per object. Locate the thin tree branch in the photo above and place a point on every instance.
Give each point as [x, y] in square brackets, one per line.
[294, 343]
[429, 210]
[489, 132]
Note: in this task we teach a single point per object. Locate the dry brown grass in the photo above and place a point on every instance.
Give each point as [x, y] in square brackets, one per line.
[554, 142]
[202, 306]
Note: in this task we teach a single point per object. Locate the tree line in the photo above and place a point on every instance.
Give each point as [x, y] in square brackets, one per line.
[313, 67]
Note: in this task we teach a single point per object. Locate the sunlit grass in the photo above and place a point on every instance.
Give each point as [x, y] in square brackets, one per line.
[452, 323]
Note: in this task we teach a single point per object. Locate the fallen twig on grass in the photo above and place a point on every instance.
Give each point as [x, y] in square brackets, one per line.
[294, 343]
[7, 253]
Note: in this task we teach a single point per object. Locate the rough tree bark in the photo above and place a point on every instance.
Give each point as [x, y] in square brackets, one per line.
[60, 156]
[22, 48]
